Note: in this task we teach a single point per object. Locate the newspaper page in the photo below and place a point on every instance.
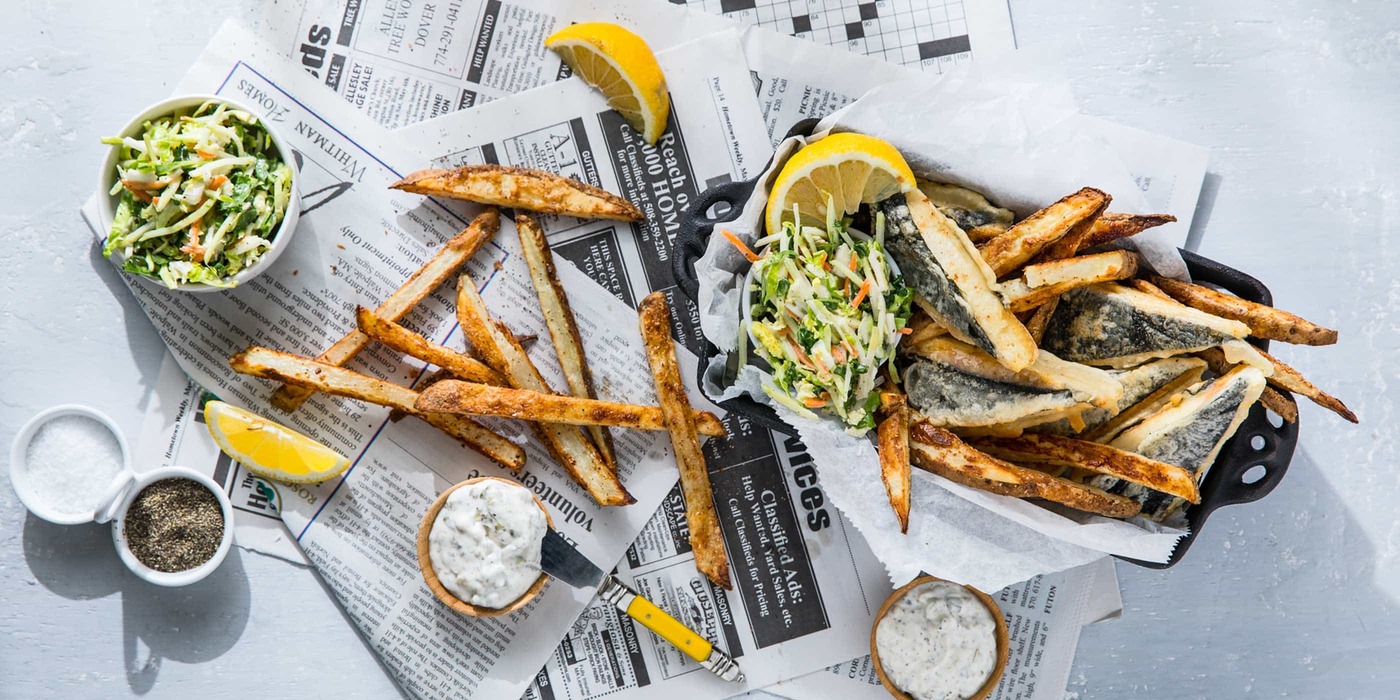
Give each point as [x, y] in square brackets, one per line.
[357, 241]
[806, 586]
[409, 60]
[1044, 617]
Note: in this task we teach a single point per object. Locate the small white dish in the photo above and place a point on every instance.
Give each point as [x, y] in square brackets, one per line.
[19, 461]
[119, 501]
[117, 498]
[107, 203]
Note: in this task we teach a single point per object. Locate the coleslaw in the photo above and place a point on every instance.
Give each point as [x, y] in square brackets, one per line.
[827, 311]
[202, 194]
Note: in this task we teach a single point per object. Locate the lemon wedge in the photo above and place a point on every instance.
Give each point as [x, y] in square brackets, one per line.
[270, 450]
[851, 169]
[622, 67]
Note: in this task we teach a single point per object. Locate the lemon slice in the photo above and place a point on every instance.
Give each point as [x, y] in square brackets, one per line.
[622, 67]
[852, 169]
[270, 450]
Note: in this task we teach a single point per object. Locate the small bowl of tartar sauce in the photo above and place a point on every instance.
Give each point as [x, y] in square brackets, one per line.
[938, 640]
[479, 546]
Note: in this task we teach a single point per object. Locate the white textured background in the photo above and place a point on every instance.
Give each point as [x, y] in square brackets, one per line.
[1293, 596]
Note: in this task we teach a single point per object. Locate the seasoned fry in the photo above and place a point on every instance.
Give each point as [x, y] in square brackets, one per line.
[1286, 378]
[563, 328]
[939, 451]
[566, 443]
[1071, 243]
[1100, 459]
[1263, 321]
[523, 188]
[1023, 241]
[412, 344]
[1042, 282]
[1280, 402]
[705, 538]
[978, 218]
[445, 263]
[893, 435]
[452, 396]
[1037, 323]
[319, 376]
[1148, 288]
[1112, 226]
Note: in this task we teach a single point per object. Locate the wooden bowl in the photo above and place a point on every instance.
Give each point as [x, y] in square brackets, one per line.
[425, 561]
[1003, 641]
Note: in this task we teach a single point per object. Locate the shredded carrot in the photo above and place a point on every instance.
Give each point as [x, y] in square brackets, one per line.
[218, 182]
[748, 252]
[860, 296]
[813, 403]
[906, 331]
[854, 262]
[206, 154]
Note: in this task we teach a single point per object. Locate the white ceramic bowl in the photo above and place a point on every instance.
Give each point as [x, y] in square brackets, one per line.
[107, 203]
[117, 513]
[19, 467]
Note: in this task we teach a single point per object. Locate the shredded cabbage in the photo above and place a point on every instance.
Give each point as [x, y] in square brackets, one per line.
[824, 337]
[202, 193]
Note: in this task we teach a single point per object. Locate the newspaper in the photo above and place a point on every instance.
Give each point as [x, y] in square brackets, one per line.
[359, 530]
[1044, 617]
[804, 595]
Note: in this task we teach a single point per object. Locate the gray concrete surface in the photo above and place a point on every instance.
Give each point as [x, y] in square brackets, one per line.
[1294, 596]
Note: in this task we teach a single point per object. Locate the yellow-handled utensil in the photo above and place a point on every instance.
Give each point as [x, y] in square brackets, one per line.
[562, 561]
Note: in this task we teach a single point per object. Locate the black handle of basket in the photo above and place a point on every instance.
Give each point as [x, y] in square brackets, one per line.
[697, 226]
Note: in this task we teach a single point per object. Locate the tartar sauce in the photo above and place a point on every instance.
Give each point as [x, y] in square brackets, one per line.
[937, 642]
[485, 543]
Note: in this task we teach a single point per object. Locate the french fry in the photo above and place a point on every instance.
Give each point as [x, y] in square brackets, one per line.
[1263, 321]
[566, 443]
[1100, 459]
[412, 344]
[940, 452]
[1040, 283]
[1148, 288]
[893, 438]
[1028, 238]
[445, 263]
[1112, 226]
[453, 396]
[706, 541]
[1038, 321]
[563, 328]
[522, 188]
[1286, 378]
[319, 376]
[432, 378]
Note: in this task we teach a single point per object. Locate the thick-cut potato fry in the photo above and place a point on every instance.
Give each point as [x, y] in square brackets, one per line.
[1112, 226]
[319, 376]
[1026, 239]
[452, 396]
[412, 344]
[1148, 288]
[1100, 459]
[939, 451]
[1037, 323]
[706, 540]
[566, 443]
[893, 435]
[563, 328]
[1286, 378]
[522, 188]
[1263, 321]
[445, 263]
[1280, 402]
[1043, 282]
[1069, 245]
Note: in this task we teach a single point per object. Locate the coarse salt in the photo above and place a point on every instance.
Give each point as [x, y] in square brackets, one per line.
[70, 463]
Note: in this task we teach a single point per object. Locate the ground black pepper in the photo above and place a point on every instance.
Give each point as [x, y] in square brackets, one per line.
[174, 525]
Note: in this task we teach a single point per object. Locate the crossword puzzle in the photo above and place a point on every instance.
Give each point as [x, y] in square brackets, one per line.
[930, 34]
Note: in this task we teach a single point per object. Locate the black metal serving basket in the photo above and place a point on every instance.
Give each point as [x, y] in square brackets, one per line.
[1257, 443]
